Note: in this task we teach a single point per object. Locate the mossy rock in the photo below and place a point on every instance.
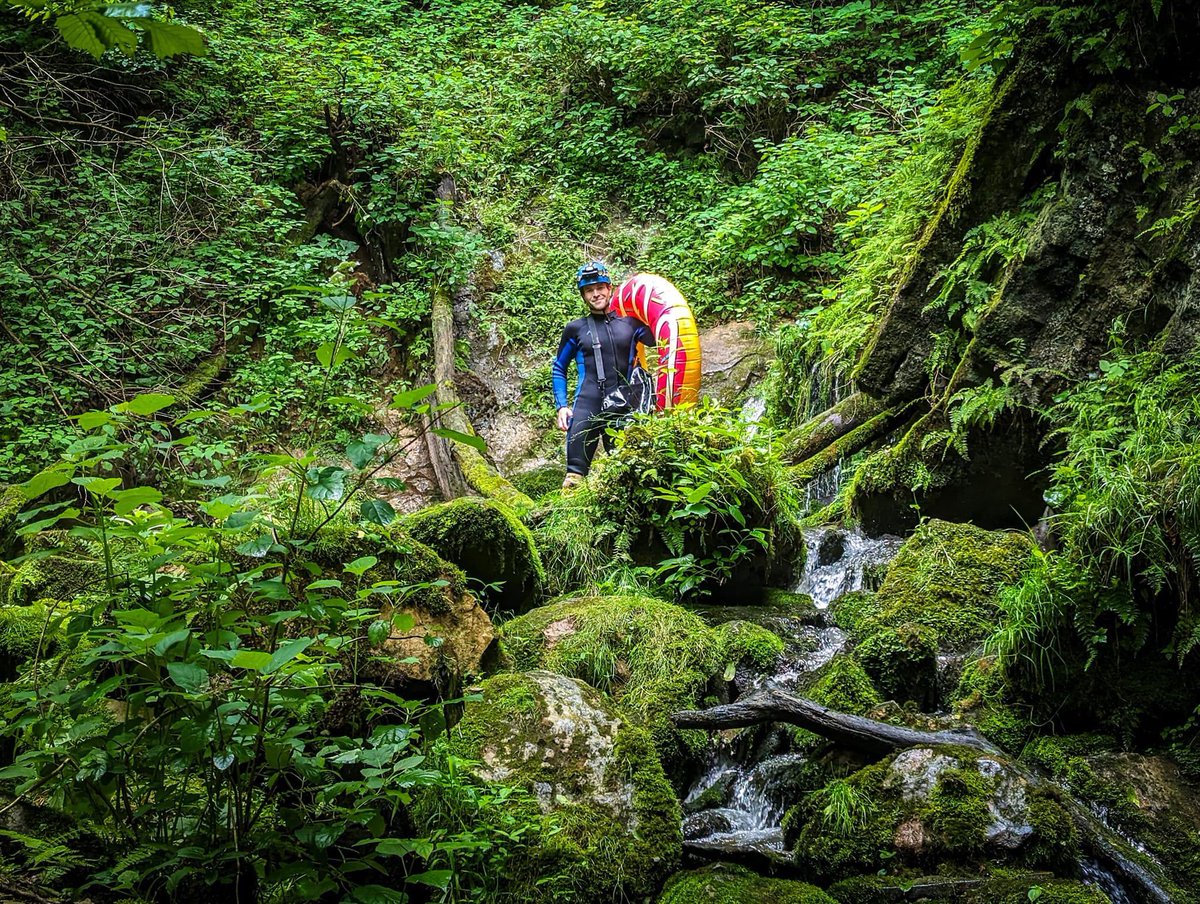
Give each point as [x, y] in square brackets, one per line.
[902, 662]
[490, 543]
[22, 630]
[849, 610]
[12, 500]
[946, 577]
[611, 819]
[540, 482]
[726, 884]
[61, 577]
[800, 604]
[651, 656]
[966, 889]
[928, 806]
[983, 699]
[1146, 797]
[750, 645]
[844, 685]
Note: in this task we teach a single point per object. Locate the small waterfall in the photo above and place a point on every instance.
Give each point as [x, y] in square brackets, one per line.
[745, 774]
[752, 413]
[843, 561]
[1097, 875]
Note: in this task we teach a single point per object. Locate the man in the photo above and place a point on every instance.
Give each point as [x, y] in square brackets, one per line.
[585, 421]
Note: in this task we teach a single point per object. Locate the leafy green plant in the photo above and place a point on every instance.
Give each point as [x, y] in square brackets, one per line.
[97, 27]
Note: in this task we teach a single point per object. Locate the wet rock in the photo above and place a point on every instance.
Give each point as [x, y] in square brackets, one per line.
[831, 548]
[724, 882]
[618, 819]
[705, 824]
[717, 794]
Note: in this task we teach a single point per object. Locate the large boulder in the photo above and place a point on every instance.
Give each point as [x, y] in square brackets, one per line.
[651, 656]
[939, 599]
[928, 806]
[612, 820]
[488, 541]
[723, 883]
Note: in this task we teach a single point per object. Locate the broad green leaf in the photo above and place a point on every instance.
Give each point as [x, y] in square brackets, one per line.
[392, 483]
[148, 403]
[362, 565]
[377, 512]
[323, 584]
[80, 35]
[138, 618]
[238, 520]
[42, 483]
[111, 32]
[251, 659]
[327, 356]
[361, 451]
[325, 483]
[98, 486]
[438, 878]
[90, 420]
[375, 894]
[467, 439]
[339, 303]
[127, 500]
[288, 650]
[258, 547]
[188, 675]
[378, 632]
[170, 640]
[410, 397]
[168, 39]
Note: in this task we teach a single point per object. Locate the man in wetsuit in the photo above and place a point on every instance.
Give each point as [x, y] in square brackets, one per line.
[584, 421]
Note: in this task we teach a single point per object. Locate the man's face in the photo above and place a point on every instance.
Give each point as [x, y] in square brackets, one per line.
[597, 296]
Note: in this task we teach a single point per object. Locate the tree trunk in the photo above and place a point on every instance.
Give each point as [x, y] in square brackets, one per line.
[473, 470]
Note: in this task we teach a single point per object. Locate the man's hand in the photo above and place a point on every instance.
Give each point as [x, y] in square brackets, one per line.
[564, 418]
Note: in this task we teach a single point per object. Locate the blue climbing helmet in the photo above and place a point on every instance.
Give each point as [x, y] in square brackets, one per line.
[591, 273]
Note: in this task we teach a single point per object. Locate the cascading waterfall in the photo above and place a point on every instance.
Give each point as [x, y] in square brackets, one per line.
[843, 561]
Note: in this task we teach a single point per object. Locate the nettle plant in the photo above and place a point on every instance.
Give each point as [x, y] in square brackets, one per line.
[186, 706]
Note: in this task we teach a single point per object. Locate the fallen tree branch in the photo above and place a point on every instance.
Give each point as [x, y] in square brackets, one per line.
[854, 732]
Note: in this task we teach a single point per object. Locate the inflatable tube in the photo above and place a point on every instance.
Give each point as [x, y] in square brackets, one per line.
[658, 304]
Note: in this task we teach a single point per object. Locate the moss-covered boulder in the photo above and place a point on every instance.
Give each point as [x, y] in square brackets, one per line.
[750, 645]
[651, 656]
[23, 630]
[612, 820]
[61, 576]
[1004, 888]
[939, 597]
[985, 700]
[844, 685]
[12, 499]
[929, 806]
[441, 634]
[490, 543]
[726, 884]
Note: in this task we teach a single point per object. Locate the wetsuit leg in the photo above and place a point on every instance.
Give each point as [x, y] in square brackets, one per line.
[587, 429]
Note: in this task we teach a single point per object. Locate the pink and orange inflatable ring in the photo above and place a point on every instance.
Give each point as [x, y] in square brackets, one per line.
[658, 304]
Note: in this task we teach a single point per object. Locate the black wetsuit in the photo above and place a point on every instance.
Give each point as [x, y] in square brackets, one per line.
[618, 337]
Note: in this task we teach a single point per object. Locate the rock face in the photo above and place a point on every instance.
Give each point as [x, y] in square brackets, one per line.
[591, 775]
[735, 359]
[930, 806]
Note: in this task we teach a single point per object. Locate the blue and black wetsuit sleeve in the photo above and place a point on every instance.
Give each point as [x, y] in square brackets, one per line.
[568, 347]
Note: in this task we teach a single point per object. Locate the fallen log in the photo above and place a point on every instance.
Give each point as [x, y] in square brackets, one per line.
[829, 426]
[855, 732]
[1144, 877]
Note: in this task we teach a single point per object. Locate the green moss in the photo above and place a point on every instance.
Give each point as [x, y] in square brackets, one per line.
[966, 889]
[652, 656]
[797, 603]
[12, 500]
[982, 699]
[947, 576]
[844, 685]
[902, 661]
[725, 884]
[958, 811]
[851, 609]
[22, 630]
[202, 377]
[61, 577]
[540, 482]
[751, 645]
[489, 542]
[6, 576]
[483, 477]
[434, 583]
[1054, 891]
[599, 854]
